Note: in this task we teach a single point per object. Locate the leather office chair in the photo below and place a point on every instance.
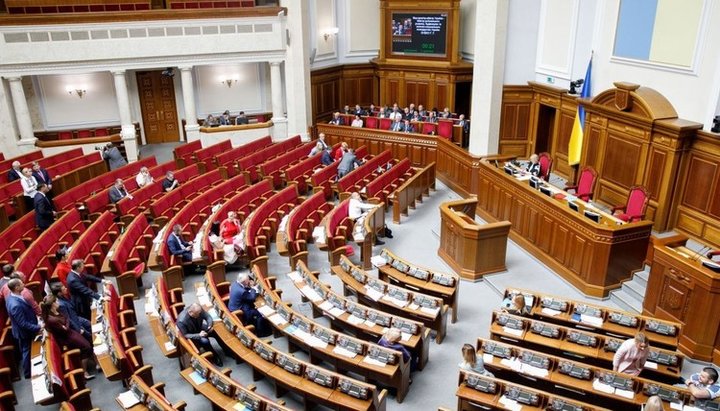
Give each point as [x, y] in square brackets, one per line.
[634, 209]
[586, 184]
[545, 165]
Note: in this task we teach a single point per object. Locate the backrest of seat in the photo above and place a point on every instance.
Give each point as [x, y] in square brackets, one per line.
[239, 152]
[385, 123]
[371, 122]
[545, 165]
[429, 128]
[586, 182]
[445, 128]
[187, 149]
[637, 201]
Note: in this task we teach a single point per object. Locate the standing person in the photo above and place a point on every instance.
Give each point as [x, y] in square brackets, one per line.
[24, 322]
[66, 308]
[41, 175]
[44, 208]
[62, 267]
[118, 191]
[29, 185]
[631, 356]
[113, 156]
[170, 182]
[242, 297]
[196, 325]
[327, 158]
[82, 294]
[15, 172]
[58, 325]
[321, 140]
[703, 385]
[471, 362]
[143, 178]
[391, 339]
[348, 161]
[25, 293]
[341, 151]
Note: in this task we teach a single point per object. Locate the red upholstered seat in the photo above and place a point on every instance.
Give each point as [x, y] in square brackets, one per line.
[100, 132]
[385, 124]
[634, 209]
[445, 128]
[545, 165]
[429, 128]
[84, 133]
[65, 135]
[586, 184]
[371, 122]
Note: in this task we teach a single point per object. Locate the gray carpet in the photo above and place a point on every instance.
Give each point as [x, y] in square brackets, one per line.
[415, 239]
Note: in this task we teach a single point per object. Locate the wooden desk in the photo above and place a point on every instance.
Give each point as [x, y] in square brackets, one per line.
[594, 257]
[471, 249]
[681, 289]
[374, 225]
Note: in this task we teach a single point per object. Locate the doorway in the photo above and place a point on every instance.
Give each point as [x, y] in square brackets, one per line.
[545, 128]
[157, 104]
[463, 98]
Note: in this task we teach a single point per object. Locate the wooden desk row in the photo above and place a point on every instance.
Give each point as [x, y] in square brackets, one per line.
[411, 276]
[412, 191]
[599, 319]
[364, 322]
[427, 310]
[589, 347]
[315, 384]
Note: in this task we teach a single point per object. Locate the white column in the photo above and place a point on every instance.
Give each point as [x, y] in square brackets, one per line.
[22, 113]
[192, 129]
[488, 71]
[278, 118]
[127, 129]
[297, 67]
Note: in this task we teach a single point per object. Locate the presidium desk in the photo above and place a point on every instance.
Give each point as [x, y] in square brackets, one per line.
[593, 256]
[471, 249]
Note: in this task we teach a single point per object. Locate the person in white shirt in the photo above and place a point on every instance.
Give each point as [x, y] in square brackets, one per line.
[29, 185]
[357, 208]
[357, 122]
[143, 178]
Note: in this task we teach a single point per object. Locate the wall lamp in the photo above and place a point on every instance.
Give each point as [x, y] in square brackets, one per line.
[332, 31]
[229, 81]
[79, 91]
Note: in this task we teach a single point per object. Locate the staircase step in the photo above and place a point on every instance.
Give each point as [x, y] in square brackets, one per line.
[635, 289]
[642, 277]
[624, 300]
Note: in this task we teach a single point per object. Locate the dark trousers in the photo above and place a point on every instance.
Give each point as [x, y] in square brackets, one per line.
[24, 344]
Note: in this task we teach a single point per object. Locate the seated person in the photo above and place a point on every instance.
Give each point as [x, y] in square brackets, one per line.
[230, 227]
[515, 304]
[15, 172]
[703, 385]
[243, 294]
[317, 149]
[169, 182]
[408, 127]
[391, 339]
[197, 326]
[471, 362]
[336, 120]
[143, 178]
[241, 119]
[653, 403]
[210, 121]
[533, 167]
[446, 113]
[177, 246]
[225, 118]
[357, 121]
[341, 151]
[59, 326]
[346, 109]
[431, 117]
[327, 158]
[118, 192]
[358, 111]
[347, 163]
[631, 356]
[356, 209]
[397, 124]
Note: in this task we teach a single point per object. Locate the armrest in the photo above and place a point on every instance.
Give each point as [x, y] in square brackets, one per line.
[618, 208]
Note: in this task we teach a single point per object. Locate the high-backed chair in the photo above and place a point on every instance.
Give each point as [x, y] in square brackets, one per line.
[634, 209]
[429, 128]
[445, 128]
[371, 122]
[585, 185]
[545, 165]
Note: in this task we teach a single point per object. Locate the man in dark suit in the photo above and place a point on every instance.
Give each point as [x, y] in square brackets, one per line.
[67, 309]
[177, 246]
[465, 124]
[118, 192]
[44, 208]
[82, 294]
[25, 325]
[242, 297]
[196, 325]
[41, 175]
[533, 166]
[397, 124]
[170, 182]
[241, 119]
[408, 127]
[336, 120]
[15, 172]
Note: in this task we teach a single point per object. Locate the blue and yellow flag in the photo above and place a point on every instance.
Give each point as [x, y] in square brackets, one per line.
[576, 138]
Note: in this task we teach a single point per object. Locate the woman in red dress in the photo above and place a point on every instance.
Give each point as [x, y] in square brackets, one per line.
[58, 325]
[230, 227]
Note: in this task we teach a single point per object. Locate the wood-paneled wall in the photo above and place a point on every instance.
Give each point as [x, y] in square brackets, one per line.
[333, 87]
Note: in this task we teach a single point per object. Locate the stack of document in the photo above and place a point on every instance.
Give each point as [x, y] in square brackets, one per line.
[127, 399]
[344, 352]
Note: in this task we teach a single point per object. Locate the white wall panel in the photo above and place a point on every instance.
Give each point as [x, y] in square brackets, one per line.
[556, 37]
[467, 29]
[362, 18]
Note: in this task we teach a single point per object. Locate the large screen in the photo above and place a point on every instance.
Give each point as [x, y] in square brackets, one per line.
[419, 34]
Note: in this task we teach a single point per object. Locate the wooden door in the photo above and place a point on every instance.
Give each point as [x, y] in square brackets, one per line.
[157, 102]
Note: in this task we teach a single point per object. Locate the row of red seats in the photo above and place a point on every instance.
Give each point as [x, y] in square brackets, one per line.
[130, 256]
[100, 201]
[300, 172]
[16, 238]
[243, 203]
[443, 128]
[65, 375]
[339, 227]
[206, 155]
[184, 4]
[264, 222]
[183, 154]
[228, 159]
[384, 184]
[274, 167]
[326, 177]
[25, 159]
[363, 172]
[77, 195]
[80, 8]
[248, 165]
[303, 220]
[93, 245]
[165, 207]
[120, 320]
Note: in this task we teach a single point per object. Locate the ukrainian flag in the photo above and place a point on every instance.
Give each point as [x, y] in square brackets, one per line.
[576, 138]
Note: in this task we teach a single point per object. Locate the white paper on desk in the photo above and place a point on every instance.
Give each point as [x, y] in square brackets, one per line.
[355, 320]
[413, 306]
[150, 308]
[277, 319]
[169, 346]
[523, 177]
[625, 393]
[344, 352]
[651, 365]
[204, 300]
[373, 361]
[214, 314]
[313, 341]
[395, 301]
[534, 371]
[311, 294]
[588, 319]
[128, 399]
[676, 406]
[336, 312]
[510, 404]
[100, 349]
[39, 389]
[373, 293]
[201, 291]
[487, 358]
[300, 334]
[295, 276]
[265, 310]
[602, 387]
[326, 305]
[405, 336]
[512, 331]
[431, 311]
[691, 408]
[369, 323]
[513, 364]
[550, 311]
[36, 369]
[378, 261]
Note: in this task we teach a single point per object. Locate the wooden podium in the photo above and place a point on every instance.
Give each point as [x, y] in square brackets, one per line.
[681, 289]
[471, 249]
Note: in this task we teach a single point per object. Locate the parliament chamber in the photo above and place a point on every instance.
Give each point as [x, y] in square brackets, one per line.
[333, 174]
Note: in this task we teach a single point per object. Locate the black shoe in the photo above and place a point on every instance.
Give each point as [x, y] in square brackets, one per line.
[378, 242]
[388, 235]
